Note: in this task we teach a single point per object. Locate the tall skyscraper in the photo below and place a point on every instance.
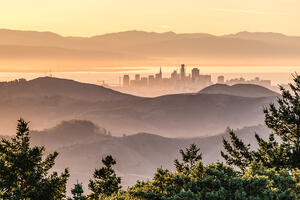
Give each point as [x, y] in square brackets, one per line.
[182, 73]
[137, 77]
[151, 80]
[126, 80]
[144, 81]
[205, 80]
[221, 79]
[159, 75]
[195, 74]
[174, 76]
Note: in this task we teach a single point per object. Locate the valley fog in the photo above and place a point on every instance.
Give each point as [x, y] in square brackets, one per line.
[149, 100]
[85, 122]
[47, 101]
[113, 77]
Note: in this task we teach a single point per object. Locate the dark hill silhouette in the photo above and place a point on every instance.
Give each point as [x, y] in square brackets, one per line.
[48, 101]
[245, 90]
[138, 155]
[69, 133]
[193, 114]
[48, 86]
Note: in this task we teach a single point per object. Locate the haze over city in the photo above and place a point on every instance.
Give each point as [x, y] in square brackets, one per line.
[149, 100]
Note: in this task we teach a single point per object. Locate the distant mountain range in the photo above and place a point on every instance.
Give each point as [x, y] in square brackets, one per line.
[47, 101]
[41, 50]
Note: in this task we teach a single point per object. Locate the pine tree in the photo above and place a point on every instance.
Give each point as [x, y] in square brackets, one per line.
[239, 154]
[77, 192]
[282, 149]
[190, 157]
[105, 180]
[24, 174]
[219, 181]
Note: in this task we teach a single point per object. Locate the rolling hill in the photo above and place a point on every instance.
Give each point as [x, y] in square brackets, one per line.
[137, 155]
[244, 90]
[51, 87]
[67, 116]
[47, 101]
[68, 133]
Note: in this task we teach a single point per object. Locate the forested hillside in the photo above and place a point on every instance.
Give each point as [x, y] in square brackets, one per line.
[267, 169]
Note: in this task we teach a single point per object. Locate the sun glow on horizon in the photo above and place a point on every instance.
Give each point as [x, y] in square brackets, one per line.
[93, 17]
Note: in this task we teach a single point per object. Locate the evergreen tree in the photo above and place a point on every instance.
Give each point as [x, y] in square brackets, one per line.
[24, 174]
[105, 182]
[77, 192]
[219, 181]
[282, 149]
[239, 154]
[190, 157]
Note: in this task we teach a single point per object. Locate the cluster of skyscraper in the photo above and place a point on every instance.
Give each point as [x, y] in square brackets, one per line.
[178, 80]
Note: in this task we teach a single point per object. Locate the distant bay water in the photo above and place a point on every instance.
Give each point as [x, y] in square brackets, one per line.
[112, 76]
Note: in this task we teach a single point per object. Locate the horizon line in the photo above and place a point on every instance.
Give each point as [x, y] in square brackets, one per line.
[143, 31]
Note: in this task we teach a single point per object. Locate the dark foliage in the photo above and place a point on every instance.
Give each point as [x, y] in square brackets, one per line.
[24, 174]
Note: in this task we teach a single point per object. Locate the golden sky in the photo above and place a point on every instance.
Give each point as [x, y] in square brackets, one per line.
[92, 17]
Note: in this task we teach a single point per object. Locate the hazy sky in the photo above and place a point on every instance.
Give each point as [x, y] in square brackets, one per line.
[91, 17]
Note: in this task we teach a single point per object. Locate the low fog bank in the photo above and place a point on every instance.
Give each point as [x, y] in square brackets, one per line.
[85, 122]
[82, 144]
[47, 101]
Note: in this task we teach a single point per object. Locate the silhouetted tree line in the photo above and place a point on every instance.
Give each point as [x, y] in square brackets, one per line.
[13, 82]
[269, 172]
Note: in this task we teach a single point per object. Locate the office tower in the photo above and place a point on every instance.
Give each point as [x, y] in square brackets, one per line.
[137, 77]
[195, 74]
[205, 80]
[221, 79]
[174, 76]
[265, 83]
[151, 80]
[126, 80]
[144, 81]
[159, 75]
[182, 72]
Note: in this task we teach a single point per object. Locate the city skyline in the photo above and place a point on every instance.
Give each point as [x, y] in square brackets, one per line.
[159, 99]
[179, 81]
